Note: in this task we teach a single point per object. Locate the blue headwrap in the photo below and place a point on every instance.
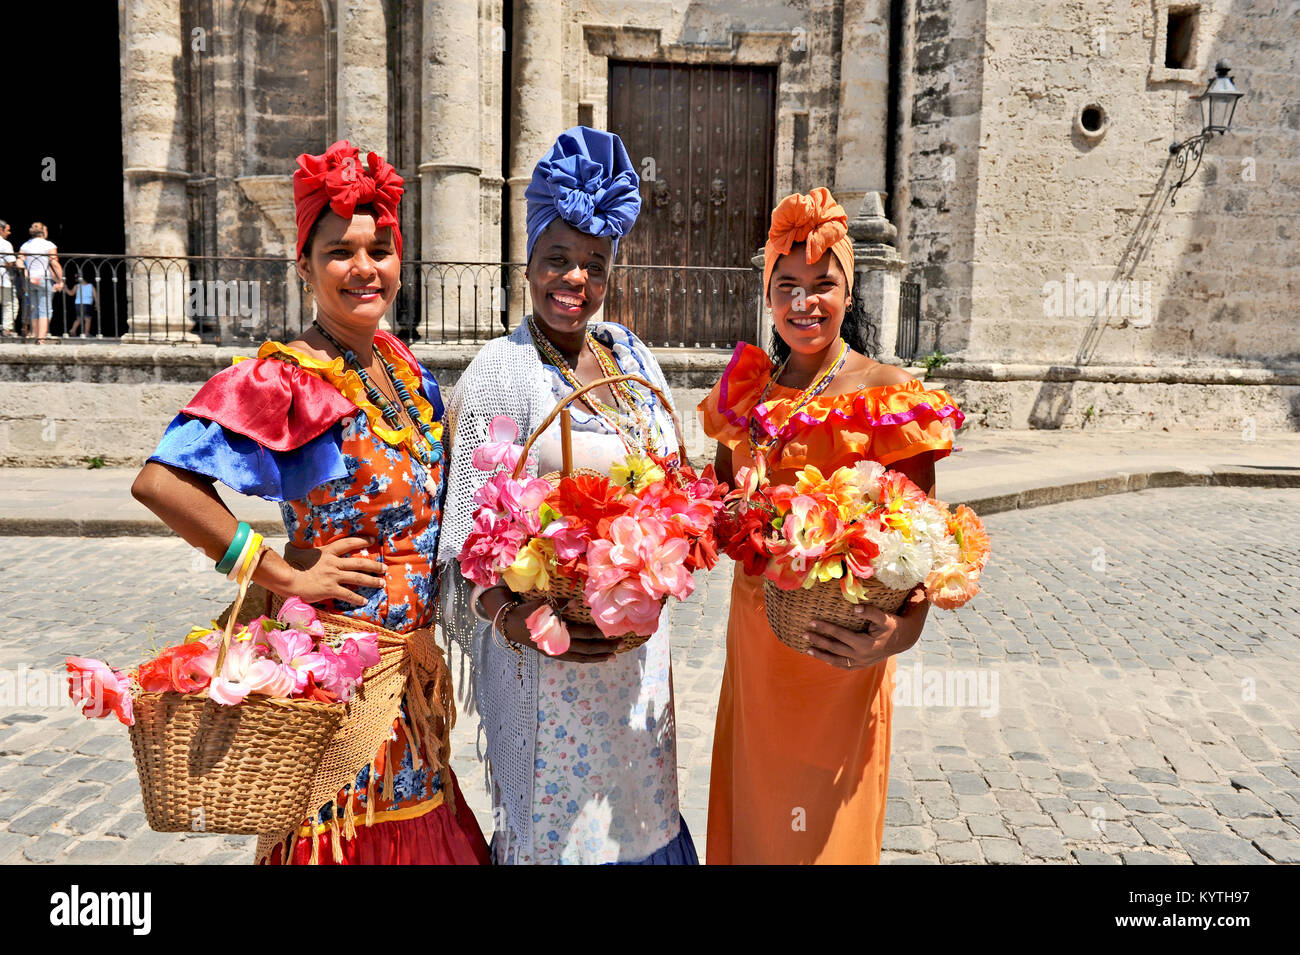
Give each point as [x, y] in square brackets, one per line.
[587, 180]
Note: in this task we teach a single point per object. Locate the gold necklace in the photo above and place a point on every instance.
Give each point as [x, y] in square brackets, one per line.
[760, 443]
[621, 390]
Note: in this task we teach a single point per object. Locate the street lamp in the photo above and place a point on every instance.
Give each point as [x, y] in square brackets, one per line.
[1218, 103]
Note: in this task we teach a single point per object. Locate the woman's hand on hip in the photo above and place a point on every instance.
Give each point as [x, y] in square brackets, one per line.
[327, 572]
[886, 634]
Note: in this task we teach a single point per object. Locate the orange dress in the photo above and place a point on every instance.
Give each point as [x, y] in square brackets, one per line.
[801, 749]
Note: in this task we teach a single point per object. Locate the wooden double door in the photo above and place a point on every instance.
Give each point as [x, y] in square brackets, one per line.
[702, 139]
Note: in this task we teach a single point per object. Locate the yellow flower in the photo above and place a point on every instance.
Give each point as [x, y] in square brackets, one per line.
[532, 568]
[637, 472]
[825, 570]
[197, 632]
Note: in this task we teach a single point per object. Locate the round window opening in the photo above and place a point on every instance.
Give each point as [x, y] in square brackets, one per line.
[1092, 122]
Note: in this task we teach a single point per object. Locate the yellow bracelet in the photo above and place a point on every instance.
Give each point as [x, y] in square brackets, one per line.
[254, 543]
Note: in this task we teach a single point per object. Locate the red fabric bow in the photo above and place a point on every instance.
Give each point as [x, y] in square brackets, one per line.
[339, 180]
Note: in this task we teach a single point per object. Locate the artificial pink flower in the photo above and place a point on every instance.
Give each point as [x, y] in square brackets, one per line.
[570, 535]
[623, 608]
[232, 685]
[293, 649]
[300, 615]
[663, 568]
[491, 546]
[99, 689]
[548, 631]
[244, 672]
[500, 450]
[517, 500]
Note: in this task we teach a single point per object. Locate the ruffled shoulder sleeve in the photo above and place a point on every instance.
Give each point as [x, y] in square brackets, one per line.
[276, 403]
[907, 419]
[724, 414]
[261, 427]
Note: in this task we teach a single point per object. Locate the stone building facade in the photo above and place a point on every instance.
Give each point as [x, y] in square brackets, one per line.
[1008, 157]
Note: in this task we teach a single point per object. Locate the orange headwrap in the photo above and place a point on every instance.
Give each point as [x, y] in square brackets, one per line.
[815, 219]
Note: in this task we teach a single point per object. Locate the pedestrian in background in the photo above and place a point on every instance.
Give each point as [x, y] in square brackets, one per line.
[44, 278]
[8, 282]
[85, 299]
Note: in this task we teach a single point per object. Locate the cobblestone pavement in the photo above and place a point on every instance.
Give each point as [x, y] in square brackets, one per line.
[1125, 690]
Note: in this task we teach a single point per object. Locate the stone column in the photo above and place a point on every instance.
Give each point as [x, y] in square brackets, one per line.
[765, 330]
[452, 164]
[877, 268]
[273, 195]
[864, 103]
[363, 75]
[536, 114]
[154, 55]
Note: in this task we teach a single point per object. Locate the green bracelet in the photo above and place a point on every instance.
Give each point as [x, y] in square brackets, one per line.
[232, 552]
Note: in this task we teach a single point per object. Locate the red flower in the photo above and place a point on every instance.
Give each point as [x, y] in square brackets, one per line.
[589, 500]
[742, 530]
[99, 689]
[313, 691]
[859, 551]
[179, 669]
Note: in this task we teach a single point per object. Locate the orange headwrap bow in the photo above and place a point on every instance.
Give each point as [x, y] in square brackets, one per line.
[338, 179]
[815, 219]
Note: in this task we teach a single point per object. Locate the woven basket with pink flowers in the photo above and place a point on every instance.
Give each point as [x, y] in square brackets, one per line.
[602, 549]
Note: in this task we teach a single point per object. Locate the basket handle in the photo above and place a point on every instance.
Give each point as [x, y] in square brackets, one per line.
[575, 395]
[245, 578]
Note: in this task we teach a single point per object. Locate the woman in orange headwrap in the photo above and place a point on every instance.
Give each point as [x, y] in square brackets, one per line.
[801, 750]
[340, 427]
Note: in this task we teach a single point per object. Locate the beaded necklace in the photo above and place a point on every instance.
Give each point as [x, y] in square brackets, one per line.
[422, 449]
[640, 433]
[760, 443]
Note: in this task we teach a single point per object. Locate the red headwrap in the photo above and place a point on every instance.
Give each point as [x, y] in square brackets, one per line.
[339, 180]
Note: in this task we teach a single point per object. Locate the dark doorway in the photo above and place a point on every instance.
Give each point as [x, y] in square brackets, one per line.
[62, 158]
[702, 139]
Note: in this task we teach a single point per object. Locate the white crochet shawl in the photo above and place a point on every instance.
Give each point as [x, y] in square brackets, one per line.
[507, 377]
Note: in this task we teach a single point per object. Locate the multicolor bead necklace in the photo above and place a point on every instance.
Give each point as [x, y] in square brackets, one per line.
[640, 432]
[759, 442]
[422, 449]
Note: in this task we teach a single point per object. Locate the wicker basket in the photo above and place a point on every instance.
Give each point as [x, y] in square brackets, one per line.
[790, 612]
[562, 589]
[243, 769]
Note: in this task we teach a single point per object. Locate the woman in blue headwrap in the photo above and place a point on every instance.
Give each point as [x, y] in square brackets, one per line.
[581, 747]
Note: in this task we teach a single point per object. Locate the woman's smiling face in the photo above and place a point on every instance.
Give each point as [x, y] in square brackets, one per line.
[808, 300]
[353, 268]
[567, 277]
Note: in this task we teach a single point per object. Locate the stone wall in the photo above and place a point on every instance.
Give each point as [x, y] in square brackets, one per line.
[944, 162]
[1062, 214]
[62, 406]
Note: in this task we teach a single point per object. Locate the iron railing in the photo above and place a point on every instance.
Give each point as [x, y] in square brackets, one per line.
[244, 299]
[909, 320]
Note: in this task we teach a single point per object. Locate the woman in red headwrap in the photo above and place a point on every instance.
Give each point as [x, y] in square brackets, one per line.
[801, 750]
[340, 427]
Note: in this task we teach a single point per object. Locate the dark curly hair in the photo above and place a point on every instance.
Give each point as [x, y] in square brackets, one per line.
[858, 330]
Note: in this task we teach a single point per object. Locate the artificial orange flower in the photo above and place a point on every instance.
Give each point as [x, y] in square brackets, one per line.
[973, 540]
